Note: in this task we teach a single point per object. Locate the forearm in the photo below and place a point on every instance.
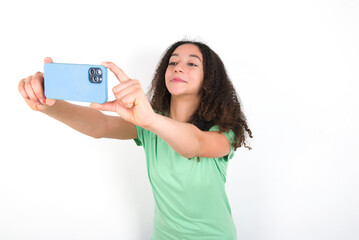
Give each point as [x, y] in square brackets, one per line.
[181, 137]
[83, 119]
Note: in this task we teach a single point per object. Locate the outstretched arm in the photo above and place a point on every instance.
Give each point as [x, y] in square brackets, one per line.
[186, 139]
[83, 119]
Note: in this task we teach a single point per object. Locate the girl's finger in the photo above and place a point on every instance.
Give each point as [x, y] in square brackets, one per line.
[21, 88]
[121, 76]
[128, 101]
[37, 87]
[123, 85]
[30, 91]
[108, 106]
[128, 90]
[48, 60]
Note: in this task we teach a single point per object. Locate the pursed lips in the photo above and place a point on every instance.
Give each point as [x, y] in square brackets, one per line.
[177, 79]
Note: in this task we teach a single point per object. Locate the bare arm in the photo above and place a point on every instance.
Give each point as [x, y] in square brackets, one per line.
[184, 138]
[83, 119]
[91, 121]
[188, 140]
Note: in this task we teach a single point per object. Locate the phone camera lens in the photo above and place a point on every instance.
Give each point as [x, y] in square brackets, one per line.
[95, 75]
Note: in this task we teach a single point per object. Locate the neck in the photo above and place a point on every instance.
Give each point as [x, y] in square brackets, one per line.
[182, 107]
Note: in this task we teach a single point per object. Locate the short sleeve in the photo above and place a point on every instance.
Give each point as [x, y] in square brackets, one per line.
[231, 137]
[143, 135]
[139, 139]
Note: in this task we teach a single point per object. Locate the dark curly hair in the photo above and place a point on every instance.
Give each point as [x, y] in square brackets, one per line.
[219, 103]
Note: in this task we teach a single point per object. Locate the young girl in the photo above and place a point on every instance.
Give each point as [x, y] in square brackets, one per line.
[189, 130]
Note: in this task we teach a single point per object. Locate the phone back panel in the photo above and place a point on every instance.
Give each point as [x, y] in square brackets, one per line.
[67, 81]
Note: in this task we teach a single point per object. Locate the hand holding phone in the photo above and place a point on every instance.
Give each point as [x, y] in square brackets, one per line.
[131, 102]
[32, 90]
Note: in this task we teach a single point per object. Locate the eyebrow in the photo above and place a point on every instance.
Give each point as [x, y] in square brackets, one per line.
[191, 55]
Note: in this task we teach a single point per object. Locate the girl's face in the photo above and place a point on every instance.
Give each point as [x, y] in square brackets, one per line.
[184, 74]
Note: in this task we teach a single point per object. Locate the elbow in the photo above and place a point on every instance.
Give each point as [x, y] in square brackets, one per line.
[195, 150]
[190, 152]
[194, 153]
[188, 155]
[96, 136]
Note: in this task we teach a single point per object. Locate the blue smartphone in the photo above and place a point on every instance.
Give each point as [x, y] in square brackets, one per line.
[75, 82]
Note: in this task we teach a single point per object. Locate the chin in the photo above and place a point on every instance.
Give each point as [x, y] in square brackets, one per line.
[176, 93]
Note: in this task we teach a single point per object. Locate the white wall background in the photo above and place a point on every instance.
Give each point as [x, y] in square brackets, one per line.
[293, 63]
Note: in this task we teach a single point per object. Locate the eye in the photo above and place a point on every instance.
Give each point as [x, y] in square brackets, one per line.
[192, 65]
[172, 63]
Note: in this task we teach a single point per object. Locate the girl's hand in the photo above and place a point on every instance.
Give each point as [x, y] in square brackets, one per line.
[32, 90]
[131, 102]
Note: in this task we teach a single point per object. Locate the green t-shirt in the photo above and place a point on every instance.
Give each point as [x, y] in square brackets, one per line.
[190, 198]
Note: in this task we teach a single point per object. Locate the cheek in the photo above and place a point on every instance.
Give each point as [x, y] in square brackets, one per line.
[166, 78]
[198, 76]
[167, 73]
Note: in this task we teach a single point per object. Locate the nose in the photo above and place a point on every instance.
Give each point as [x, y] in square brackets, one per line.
[178, 67]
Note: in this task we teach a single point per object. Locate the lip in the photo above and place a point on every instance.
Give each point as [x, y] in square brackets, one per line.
[177, 79]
